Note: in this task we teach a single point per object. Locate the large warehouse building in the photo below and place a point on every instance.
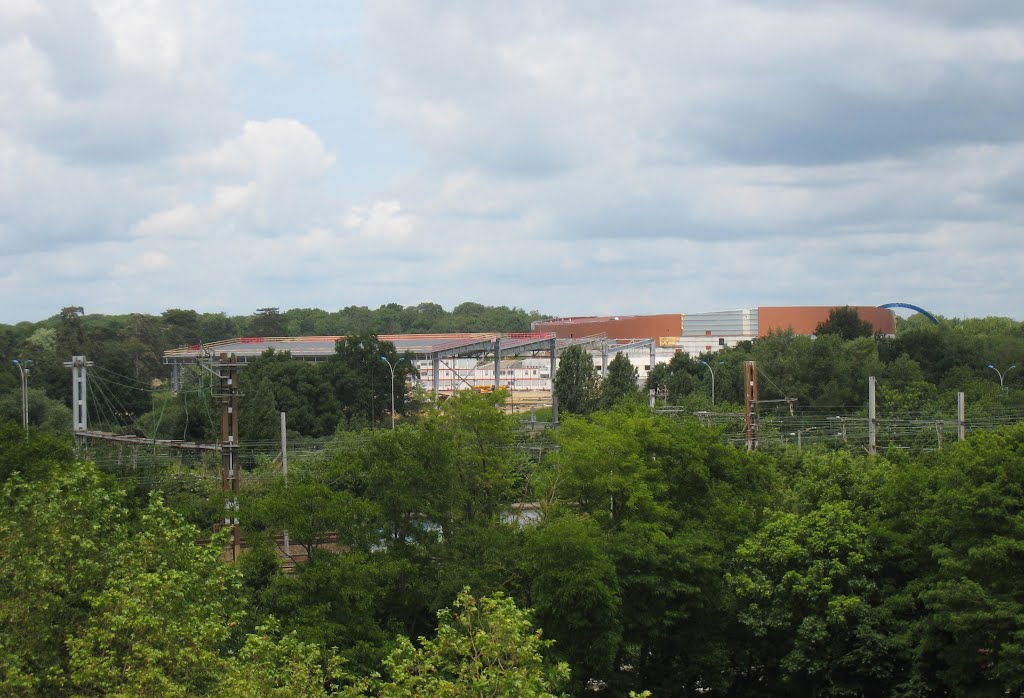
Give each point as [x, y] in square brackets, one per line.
[700, 332]
[526, 361]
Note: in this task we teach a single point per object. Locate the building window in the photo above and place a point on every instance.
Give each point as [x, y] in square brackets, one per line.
[721, 341]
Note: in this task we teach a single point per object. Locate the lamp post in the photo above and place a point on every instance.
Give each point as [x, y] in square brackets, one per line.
[1002, 374]
[23, 368]
[712, 381]
[392, 367]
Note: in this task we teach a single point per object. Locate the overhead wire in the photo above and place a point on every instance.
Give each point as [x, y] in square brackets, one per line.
[113, 398]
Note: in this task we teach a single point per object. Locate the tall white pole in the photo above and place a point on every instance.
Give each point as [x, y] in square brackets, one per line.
[712, 382]
[392, 367]
[284, 447]
[961, 422]
[24, 397]
[872, 423]
[284, 472]
[24, 391]
[1002, 374]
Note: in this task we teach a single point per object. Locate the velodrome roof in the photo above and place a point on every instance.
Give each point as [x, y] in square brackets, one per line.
[422, 346]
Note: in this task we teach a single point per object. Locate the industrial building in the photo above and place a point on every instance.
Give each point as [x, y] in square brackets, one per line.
[527, 362]
[696, 333]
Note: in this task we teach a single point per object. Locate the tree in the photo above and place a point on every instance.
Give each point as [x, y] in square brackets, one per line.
[361, 380]
[272, 663]
[268, 322]
[96, 600]
[484, 647]
[71, 333]
[311, 511]
[302, 322]
[807, 587]
[844, 322]
[621, 382]
[143, 343]
[181, 327]
[51, 563]
[574, 592]
[258, 418]
[99, 599]
[678, 378]
[483, 457]
[576, 381]
[962, 534]
[217, 326]
[344, 601]
[157, 624]
[295, 387]
[44, 413]
[674, 502]
[406, 474]
[33, 455]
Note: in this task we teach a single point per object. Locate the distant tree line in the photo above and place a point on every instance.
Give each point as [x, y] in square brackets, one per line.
[130, 347]
[919, 370]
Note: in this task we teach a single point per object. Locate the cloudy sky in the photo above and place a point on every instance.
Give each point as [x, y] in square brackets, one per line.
[568, 157]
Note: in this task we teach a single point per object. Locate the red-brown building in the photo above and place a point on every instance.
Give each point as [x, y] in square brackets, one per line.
[615, 327]
[702, 331]
[805, 319]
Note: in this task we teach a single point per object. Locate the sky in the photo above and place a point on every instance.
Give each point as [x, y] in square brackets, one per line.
[568, 157]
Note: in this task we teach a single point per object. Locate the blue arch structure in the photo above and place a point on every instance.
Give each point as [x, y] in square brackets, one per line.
[908, 306]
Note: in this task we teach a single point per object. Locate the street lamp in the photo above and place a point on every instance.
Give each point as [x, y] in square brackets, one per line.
[1002, 373]
[712, 381]
[23, 368]
[392, 367]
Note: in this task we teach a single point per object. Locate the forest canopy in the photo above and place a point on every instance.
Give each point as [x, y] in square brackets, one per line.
[470, 551]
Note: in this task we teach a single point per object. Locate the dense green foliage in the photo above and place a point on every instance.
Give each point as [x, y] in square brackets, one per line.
[844, 322]
[624, 551]
[919, 370]
[576, 381]
[663, 560]
[620, 383]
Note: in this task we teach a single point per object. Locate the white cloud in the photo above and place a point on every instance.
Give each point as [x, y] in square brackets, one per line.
[382, 221]
[638, 157]
[265, 150]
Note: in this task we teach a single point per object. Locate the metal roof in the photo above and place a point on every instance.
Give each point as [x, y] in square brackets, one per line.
[423, 346]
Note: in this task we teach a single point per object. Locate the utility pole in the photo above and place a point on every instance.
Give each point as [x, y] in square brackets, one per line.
[497, 364]
[750, 400]
[284, 472]
[227, 370]
[872, 422]
[554, 367]
[961, 422]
